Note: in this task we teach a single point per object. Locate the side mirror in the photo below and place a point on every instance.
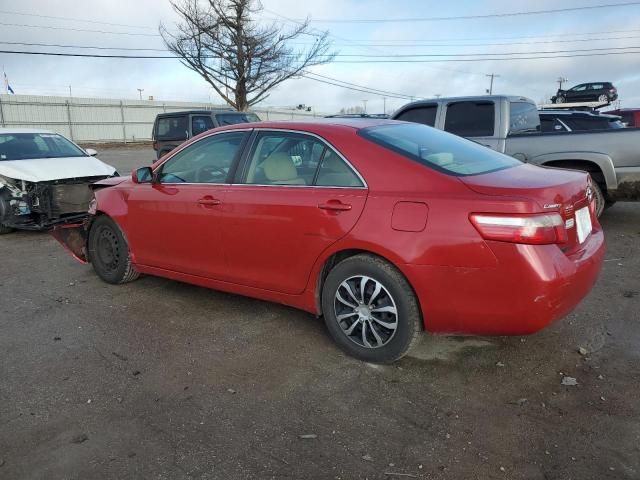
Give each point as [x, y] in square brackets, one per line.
[142, 175]
[91, 152]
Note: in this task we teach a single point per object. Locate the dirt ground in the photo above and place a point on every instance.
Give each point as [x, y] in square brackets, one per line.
[163, 380]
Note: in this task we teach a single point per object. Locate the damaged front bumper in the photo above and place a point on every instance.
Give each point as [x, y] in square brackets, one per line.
[73, 237]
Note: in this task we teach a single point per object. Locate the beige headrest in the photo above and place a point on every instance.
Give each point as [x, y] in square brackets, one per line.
[278, 167]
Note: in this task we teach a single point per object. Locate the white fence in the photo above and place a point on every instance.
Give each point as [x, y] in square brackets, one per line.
[105, 120]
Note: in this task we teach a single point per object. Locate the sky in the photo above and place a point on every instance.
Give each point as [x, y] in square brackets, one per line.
[136, 23]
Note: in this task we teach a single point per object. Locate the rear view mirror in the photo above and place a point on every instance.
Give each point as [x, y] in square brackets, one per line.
[142, 175]
[91, 152]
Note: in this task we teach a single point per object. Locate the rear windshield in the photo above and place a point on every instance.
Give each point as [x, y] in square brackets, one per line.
[27, 146]
[172, 128]
[439, 150]
[233, 118]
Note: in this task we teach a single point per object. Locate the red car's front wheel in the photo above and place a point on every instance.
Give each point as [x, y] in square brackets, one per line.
[109, 253]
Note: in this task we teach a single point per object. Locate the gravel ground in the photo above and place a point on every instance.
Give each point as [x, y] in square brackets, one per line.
[159, 379]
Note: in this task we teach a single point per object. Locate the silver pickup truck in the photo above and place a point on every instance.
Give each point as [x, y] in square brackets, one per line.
[511, 125]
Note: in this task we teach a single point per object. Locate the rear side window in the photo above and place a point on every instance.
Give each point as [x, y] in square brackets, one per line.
[523, 118]
[425, 114]
[234, 118]
[172, 128]
[597, 86]
[200, 123]
[470, 119]
[438, 150]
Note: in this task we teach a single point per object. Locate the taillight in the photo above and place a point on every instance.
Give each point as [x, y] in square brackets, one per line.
[540, 229]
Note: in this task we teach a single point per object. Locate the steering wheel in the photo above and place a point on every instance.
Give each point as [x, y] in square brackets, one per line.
[209, 172]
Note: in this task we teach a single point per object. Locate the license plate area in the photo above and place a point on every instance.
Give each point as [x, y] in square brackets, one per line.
[583, 224]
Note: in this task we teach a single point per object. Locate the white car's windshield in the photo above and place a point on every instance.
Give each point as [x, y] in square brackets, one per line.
[22, 146]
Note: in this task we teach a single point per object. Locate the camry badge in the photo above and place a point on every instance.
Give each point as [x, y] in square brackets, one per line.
[551, 205]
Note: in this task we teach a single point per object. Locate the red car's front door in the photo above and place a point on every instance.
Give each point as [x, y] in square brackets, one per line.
[297, 197]
[174, 223]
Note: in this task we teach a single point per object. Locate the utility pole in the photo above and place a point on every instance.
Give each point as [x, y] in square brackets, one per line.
[560, 81]
[437, 95]
[364, 102]
[140, 90]
[384, 105]
[70, 92]
[492, 76]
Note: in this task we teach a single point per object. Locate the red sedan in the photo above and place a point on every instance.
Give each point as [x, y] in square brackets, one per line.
[384, 228]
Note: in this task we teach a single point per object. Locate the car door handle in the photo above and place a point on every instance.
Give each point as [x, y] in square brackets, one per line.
[335, 205]
[209, 201]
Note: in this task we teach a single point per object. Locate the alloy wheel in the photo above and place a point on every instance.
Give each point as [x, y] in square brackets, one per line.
[365, 311]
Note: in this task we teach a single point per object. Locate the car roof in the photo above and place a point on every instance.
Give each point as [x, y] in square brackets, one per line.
[312, 125]
[24, 130]
[201, 112]
[475, 98]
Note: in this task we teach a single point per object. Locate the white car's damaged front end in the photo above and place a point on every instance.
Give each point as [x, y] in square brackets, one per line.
[45, 180]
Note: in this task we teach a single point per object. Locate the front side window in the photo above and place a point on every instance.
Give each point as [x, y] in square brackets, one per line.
[172, 128]
[207, 161]
[284, 158]
[470, 119]
[424, 114]
[438, 150]
[524, 118]
[579, 88]
[200, 123]
[21, 146]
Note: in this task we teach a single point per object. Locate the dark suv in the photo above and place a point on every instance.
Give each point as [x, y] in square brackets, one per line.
[587, 92]
[576, 121]
[171, 129]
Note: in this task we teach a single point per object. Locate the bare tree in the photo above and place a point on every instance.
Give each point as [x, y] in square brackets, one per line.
[241, 59]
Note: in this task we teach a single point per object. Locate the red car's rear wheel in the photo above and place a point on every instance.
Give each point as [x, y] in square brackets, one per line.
[370, 309]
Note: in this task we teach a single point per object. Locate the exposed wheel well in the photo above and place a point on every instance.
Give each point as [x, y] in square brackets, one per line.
[339, 257]
[584, 165]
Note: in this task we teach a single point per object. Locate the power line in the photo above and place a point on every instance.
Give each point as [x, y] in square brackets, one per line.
[489, 54]
[403, 97]
[475, 17]
[488, 59]
[84, 47]
[370, 89]
[79, 29]
[70, 19]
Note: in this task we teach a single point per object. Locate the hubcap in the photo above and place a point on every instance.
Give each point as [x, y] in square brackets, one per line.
[365, 311]
[107, 249]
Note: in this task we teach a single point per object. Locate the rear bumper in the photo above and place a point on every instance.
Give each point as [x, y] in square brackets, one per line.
[533, 286]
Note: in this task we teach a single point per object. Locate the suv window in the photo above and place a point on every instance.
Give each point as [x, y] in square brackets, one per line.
[438, 150]
[201, 123]
[205, 161]
[425, 114]
[283, 158]
[172, 128]
[579, 88]
[524, 118]
[236, 117]
[596, 86]
[470, 119]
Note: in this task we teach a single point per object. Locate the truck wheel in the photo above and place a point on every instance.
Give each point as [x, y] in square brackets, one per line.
[4, 229]
[559, 99]
[601, 202]
[370, 309]
[109, 253]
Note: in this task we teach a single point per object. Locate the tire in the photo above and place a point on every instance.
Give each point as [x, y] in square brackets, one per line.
[603, 98]
[378, 343]
[601, 201]
[4, 229]
[109, 253]
[559, 99]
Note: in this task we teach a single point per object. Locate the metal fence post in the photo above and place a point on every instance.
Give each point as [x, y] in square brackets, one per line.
[1, 114]
[124, 129]
[69, 119]
[164, 108]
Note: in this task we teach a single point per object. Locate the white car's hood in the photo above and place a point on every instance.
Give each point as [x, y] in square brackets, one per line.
[47, 169]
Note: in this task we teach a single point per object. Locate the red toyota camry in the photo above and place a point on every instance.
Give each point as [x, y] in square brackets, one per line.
[384, 228]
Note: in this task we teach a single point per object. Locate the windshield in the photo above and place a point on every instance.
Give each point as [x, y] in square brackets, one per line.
[23, 146]
[233, 118]
[438, 150]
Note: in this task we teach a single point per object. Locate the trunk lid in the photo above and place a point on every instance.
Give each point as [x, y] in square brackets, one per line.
[553, 189]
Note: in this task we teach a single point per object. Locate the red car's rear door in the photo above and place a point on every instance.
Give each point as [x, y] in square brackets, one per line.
[297, 197]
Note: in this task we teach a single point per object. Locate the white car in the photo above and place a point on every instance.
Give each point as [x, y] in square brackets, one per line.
[45, 179]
